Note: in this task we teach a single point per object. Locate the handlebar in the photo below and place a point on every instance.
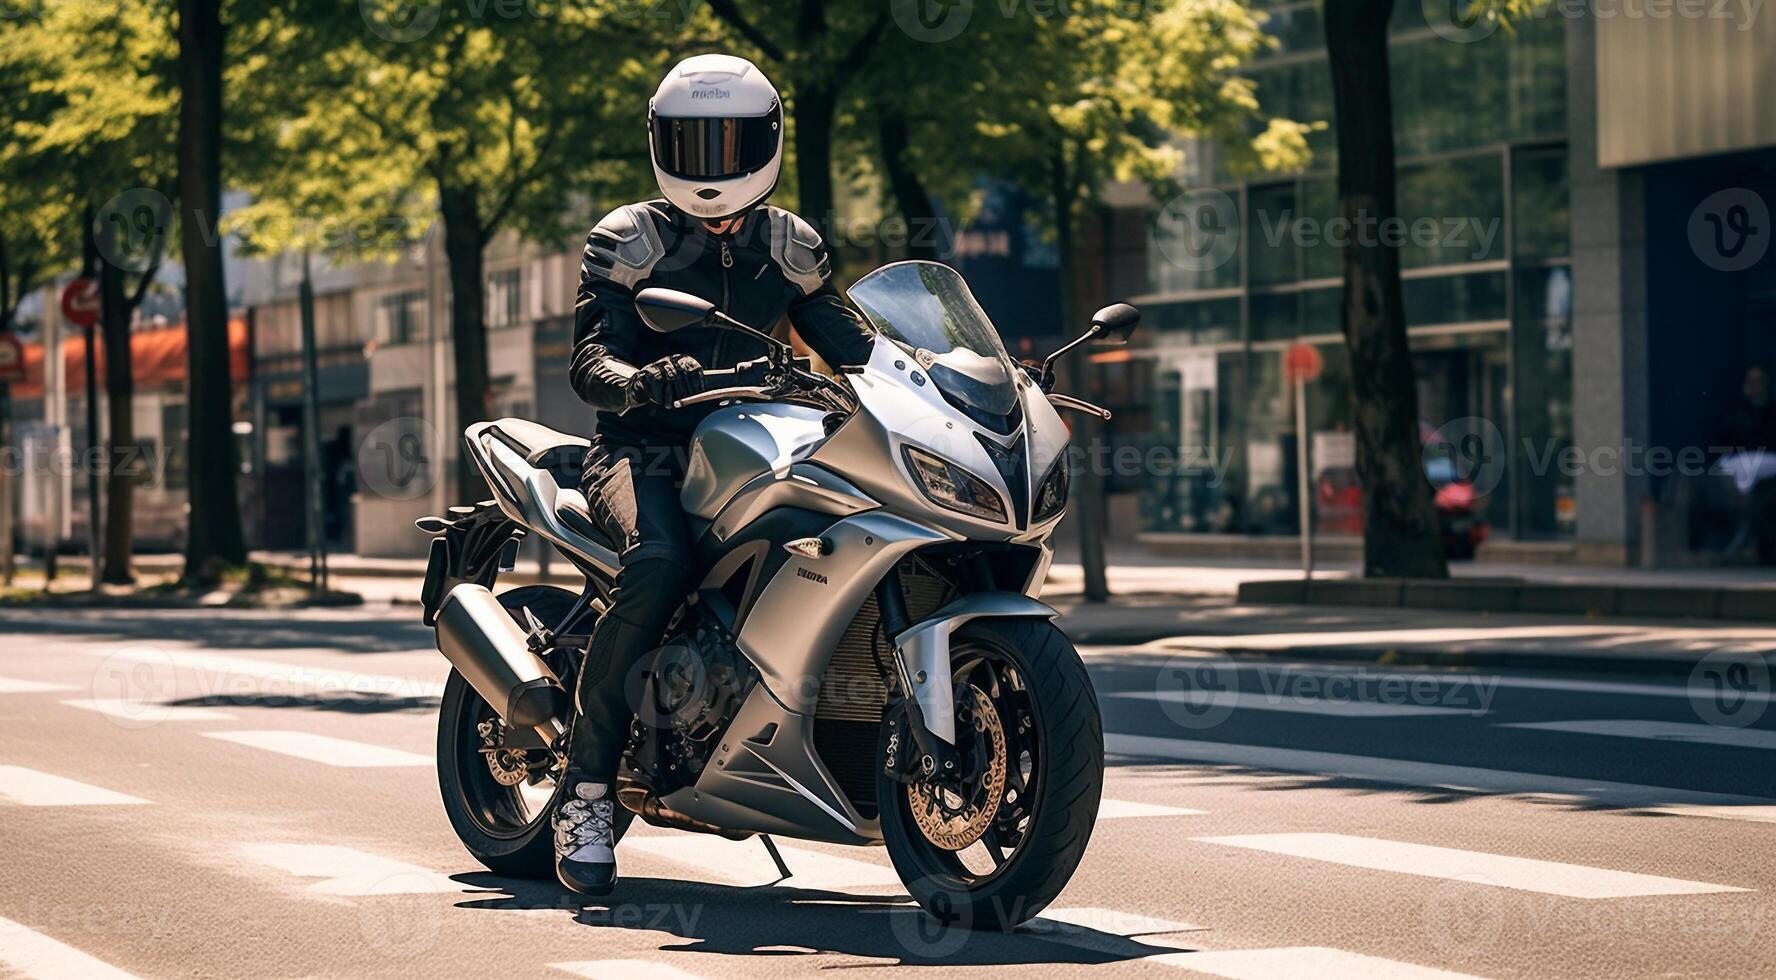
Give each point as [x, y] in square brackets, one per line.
[720, 394]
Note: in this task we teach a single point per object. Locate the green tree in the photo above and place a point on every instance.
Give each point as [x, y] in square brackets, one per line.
[89, 158]
[1064, 105]
[506, 120]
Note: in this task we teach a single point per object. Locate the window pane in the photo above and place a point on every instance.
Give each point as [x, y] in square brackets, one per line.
[1454, 211]
[1207, 321]
[1473, 298]
[1540, 203]
[1269, 233]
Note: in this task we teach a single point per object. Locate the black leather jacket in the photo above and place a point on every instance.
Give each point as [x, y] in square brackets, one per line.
[776, 264]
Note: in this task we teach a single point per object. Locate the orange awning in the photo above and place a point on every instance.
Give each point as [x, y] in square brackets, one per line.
[157, 357]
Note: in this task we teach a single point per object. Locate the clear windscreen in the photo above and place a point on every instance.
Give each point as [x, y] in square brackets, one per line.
[927, 309]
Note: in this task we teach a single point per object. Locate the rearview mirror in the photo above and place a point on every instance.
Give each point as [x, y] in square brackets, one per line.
[668, 310]
[1116, 323]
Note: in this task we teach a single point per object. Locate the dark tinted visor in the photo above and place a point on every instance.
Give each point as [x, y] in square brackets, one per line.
[714, 148]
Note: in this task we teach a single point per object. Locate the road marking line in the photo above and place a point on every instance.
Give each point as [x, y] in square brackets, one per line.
[1124, 809]
[348, 871]
[1468, 678]
[746, 862]
[15, 685]
[624, 969]
[1659, 731]
[293, 680]
[1258, 701]
[28, 787]
[1477, 867]
[1287, 963]
[341, 752]
[1753, 814]
[1401, 772]
[35, 955]
[148, 712]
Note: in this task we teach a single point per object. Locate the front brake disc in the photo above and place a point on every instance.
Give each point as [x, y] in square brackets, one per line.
[953, 819]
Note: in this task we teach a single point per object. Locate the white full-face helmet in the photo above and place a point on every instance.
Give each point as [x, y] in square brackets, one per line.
[715, 130]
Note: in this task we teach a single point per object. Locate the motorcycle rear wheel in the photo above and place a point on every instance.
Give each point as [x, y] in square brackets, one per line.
[1038, 714]
[506, 828]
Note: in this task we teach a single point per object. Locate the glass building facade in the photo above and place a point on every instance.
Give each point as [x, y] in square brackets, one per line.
[1480, 132]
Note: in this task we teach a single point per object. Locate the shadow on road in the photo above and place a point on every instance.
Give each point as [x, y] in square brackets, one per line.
[777, 920]
[344, 702]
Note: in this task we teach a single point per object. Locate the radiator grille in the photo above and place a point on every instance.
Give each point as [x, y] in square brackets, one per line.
[851, 689]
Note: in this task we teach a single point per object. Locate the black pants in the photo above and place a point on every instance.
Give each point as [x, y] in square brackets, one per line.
[633, 494]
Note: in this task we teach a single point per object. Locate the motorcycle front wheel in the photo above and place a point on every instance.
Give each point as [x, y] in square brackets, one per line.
[498, 801]
[995, 849]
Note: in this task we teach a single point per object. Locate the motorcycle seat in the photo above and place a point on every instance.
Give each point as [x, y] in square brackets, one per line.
[559, 453]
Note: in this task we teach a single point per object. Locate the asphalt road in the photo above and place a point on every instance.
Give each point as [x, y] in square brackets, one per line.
[241, 794]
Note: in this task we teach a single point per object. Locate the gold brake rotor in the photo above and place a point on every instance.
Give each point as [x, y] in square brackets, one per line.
[939, 813]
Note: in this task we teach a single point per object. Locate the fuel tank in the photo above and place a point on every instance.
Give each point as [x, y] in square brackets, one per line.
[737, 444]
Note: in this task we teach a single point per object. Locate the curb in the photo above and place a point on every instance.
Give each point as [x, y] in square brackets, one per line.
[1505, 595]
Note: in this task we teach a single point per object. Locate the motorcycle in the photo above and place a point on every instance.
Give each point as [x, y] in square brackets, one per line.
[865, 661]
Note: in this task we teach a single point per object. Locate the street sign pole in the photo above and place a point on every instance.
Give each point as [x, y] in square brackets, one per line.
[1301, 364]
[311, 434]
[6, 557]
[1307, 540]
[81, 307]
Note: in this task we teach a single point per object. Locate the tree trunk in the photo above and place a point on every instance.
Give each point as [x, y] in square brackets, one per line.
[464, 238]
[1401, 536]
[909, 191]
[814, 108]
[120, 391]
[1088, 500]
[214, 536]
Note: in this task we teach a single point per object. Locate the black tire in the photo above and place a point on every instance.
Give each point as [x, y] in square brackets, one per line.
[508, 834]
[1067, 780]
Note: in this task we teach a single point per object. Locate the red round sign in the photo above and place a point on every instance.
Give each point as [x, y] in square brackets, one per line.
[1302, 362]
[80, 302]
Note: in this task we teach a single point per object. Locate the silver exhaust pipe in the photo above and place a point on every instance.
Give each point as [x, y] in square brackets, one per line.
[490, 650]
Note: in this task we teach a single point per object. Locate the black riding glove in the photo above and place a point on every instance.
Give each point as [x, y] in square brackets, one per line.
[666, 380]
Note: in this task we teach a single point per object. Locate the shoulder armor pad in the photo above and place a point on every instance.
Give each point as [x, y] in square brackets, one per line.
[624, 246]
[798, 250]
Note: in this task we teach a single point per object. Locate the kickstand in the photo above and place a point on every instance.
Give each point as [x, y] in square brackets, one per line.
[776, 855]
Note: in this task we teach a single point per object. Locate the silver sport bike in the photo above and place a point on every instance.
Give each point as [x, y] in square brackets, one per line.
[865, 661]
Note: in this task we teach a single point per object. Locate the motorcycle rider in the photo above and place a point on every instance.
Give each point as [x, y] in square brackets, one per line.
[715, 132]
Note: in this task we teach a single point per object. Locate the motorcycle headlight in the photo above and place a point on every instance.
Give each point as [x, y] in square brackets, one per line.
[1051, 494]
[950, 486]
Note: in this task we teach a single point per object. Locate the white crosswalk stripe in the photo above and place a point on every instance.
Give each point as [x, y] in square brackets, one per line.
[746, 862]
[623, 970]
[1660, 731]
[348, 871]
[1753, 814]
[1124, 809]
[341, 752]
[141, 713]
[1403, 772]
[28, 787]
[1260, 701]
[14, 685]
[1477, 867]
[32, 954]
[1288, 963]
[219, 673]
